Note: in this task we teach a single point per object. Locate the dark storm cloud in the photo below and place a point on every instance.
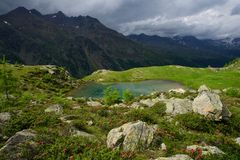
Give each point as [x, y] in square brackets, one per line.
[201, 18]
[236, 10]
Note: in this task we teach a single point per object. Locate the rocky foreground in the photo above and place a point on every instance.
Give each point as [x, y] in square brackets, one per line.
[177, 125]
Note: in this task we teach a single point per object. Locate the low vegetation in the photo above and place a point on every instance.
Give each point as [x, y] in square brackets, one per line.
[42, 87]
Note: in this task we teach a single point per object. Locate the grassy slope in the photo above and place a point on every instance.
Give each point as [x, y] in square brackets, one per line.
[55, 141]
[192, 77]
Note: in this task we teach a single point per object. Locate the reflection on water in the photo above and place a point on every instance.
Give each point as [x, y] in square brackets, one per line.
[95, 90]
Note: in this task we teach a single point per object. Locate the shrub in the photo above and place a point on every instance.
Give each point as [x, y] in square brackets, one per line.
[8, 84]
[233, 92]
[111, 96]
[196, 122]
[127, 96]
[80, 124]
[75, 148]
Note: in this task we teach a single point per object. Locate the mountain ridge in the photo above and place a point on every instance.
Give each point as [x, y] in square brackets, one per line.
[83, 44]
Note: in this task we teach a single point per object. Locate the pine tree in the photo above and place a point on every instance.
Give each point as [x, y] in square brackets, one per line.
[8, 83]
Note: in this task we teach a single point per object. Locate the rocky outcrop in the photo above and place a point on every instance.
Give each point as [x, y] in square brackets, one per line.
[208, 103]
[176, 157]
[132, 136]
[175, 106]
[58, 109]
[21, 142]
[206, 150]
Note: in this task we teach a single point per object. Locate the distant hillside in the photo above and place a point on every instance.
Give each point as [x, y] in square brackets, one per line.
[203, 52]
[217, 78]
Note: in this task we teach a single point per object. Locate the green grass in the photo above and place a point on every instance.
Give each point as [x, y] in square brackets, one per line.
[54, 140]
[191, 77]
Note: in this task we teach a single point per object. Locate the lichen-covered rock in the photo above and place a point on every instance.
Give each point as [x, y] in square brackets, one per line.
[21, 143]
[208, 103]
[58, 109]
[175, 106]
[206, 150]
[132, 136]
[176, 157]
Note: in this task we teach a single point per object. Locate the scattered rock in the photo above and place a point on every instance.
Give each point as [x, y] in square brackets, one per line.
[76, 107]
[177, 106]
[132, 136]
[237, 140]
[136, 105]
[206, 150]
[58, 109]
[70, 98]
[152, 102]
[94, 104]
[163, 147]
[120, 105]
[77, 133]
[176, 157]
[217, 91]
[4, 117]
[208, 103]
[203, 88]
[68, 118]
[147, 102]
[19, 144]
[90, 123]
[177, 90]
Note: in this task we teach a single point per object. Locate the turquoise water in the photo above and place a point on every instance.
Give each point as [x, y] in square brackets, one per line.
[95, 90]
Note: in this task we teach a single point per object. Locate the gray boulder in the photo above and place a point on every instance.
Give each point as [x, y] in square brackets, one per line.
[58, 109]
[208, 103]
[176, 157]
[4, 117]
[132, 136]
[22, 142]
[206, 150]
[175, 106]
